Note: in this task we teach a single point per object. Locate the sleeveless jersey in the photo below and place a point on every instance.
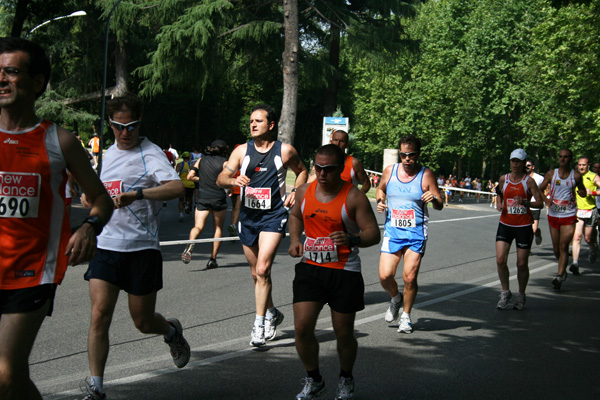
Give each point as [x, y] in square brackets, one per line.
[264, 196]
[320, 219]
[208, 170]
[407, 215]
[538, 181]
[34, 225]
[513, 214]
[562, 196]
[183, 173]
[587, 202]
[348, 174]
[95, 145]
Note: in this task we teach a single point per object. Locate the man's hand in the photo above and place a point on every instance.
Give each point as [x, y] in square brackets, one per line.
[82, 245]
[381, 206]
[124, 199]
[296, 249]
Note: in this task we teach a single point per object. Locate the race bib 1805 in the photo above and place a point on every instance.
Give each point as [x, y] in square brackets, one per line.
[257, 198]
[403, 219]
[19, 194]
[320, 250]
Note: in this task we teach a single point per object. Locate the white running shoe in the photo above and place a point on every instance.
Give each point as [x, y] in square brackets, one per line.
[345, 389]
[520, 303]
[179, 347]
[186, 256]
[559, 279]
[271, 325]
[257, 338]
[504, 298]
[405, 325]
[311, 389]
[393, 312]
[91, 391]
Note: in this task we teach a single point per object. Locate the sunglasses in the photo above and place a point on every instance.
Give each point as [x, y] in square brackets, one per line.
[130, 126]
[326, 168]
[412, 154]
[528, 165]
[11, 72]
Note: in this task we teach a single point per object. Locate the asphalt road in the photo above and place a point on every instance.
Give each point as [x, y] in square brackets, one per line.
[462, 347]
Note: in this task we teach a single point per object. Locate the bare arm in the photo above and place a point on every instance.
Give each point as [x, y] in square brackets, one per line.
[500, 196]
[225, 180]
[540, 199]
[581, 190]
[297, 225]
[167, 190]
[380, 195]
[82, 244]
[291, 158]
[431, 190]
[361, 175]
[192, 174]
[365, 219]
[312, 175]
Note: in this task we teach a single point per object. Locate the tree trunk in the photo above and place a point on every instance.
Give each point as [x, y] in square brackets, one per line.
[287, 121]
[330, 101]
[121, 75]
[21, 14]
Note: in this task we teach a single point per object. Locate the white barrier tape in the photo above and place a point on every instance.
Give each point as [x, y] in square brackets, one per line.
[442, 188]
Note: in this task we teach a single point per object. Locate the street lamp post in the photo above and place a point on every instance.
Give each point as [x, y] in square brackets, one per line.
[99, 166]
[74, 14]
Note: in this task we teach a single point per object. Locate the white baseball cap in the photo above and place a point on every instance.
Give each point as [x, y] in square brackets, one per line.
[518, 153]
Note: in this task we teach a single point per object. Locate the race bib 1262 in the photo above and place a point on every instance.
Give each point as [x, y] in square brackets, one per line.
[19, 194]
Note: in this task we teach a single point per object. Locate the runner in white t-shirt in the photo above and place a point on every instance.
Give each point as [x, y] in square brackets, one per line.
[530, 167]
[139, 178]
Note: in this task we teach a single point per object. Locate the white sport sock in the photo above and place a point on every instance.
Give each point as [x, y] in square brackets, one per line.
[259, 320]
[397, 298]
[271, 312]
[405, 315]
[97, 382]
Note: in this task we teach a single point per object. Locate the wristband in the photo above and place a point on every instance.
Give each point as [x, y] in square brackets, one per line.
[354, 241]
[379, 201]
[594, 193]
[293, 190]
[95, 222]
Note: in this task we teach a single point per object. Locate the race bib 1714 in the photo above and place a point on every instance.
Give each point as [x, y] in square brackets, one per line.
[320, 250]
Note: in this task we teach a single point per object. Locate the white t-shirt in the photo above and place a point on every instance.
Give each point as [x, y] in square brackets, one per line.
[134, 227]
[538, 181]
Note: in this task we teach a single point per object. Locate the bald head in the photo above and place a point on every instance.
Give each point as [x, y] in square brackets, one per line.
[340, 138]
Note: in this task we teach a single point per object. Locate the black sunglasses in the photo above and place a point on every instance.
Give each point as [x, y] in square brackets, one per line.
[411, 154]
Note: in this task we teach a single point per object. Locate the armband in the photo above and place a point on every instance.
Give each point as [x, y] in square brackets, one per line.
[195, 170]
[229, 169]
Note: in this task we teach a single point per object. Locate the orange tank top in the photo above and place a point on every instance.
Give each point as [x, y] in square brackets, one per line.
[348, 174]
[321, 219]
[513, 214]
[34, 225]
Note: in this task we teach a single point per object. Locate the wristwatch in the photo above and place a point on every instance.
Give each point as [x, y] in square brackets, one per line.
[140, 194]
[95, 222]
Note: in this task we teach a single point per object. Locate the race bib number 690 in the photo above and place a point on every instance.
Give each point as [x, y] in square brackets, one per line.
[19, 194]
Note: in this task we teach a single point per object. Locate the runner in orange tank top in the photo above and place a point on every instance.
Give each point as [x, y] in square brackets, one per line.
[514, 202]
[337, 219]
[35, 239]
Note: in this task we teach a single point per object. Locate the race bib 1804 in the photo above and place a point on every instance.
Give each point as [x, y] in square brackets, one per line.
[19, 194]
[113, 187]
[320, 250]
[403, 219]
[257, 198]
